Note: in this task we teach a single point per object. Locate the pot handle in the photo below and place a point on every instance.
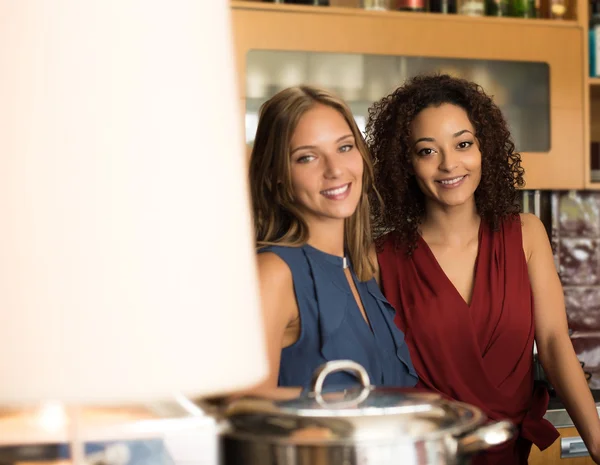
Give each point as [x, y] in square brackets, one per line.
[316, 385]
[486, 437]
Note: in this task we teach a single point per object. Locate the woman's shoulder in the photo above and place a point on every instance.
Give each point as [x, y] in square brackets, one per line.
[387, 243]
[390, 255]
[273, 268]
[290, 261]
[516, 225]
[533, 233]
[277, 262]
[529, 221]
[392, 249]
[526, 229]
[288, 254]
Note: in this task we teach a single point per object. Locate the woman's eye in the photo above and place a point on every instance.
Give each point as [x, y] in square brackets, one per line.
[346, 148]
[465, 145]
[425, 152]
[305, 159]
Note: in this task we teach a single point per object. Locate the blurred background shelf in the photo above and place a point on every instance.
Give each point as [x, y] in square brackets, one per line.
[348, 8]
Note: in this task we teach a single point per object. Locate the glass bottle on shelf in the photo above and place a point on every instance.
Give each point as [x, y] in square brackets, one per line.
[411, 5]
[534, 8]
[442, 6]
[558, 8]
[375, 5]
[496, 8]
[302, 2]
[512, 8]
[471, 7]
[521, 8]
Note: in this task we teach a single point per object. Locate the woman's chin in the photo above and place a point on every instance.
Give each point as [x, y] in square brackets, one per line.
[454, 200]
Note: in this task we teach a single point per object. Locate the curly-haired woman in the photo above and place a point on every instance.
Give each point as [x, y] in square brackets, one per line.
[472, 280]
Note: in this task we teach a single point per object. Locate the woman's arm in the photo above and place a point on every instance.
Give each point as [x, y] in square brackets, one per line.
[279, 309]
[555, 349]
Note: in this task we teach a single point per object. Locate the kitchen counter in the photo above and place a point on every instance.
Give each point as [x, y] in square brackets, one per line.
[558, 416]
[561, 419]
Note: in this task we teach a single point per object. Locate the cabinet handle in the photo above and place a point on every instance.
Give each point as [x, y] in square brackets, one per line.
[572, 447]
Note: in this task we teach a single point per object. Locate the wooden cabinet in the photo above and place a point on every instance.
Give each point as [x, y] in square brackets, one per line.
[265, 26]
[551, 456]
[591, 104]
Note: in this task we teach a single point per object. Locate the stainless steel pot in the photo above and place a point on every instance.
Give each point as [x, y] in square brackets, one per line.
[362, 426]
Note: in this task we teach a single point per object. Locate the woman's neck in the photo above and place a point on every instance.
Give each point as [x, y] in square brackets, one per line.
[450, 225]
[327, 236]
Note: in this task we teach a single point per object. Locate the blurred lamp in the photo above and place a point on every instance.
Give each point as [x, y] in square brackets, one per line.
[126, 258]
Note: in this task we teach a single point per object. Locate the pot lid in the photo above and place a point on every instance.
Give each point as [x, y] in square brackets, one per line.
[364, 413]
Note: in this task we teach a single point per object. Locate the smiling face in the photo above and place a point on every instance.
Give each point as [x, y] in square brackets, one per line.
[325, 165]
[445, 155]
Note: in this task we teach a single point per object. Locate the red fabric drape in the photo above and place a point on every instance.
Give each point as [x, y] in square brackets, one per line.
[480, 353]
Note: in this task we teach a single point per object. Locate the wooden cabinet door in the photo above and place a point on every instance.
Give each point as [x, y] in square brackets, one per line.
[264, 26]
[551, 456]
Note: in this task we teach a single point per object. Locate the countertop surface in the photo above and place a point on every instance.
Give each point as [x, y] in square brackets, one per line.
[558, 416]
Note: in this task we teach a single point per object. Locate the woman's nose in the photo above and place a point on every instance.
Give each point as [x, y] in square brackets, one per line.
[449, 161]
[333, 167]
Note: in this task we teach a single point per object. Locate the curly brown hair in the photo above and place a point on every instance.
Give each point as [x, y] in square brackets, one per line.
[388, 134]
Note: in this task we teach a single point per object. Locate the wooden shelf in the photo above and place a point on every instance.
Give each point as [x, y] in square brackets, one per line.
[594, 92]
[285, 8]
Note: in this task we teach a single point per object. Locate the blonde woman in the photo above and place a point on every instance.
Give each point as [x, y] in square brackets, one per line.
[310, 178]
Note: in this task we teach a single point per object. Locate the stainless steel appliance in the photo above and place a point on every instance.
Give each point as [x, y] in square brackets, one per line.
[365, 425]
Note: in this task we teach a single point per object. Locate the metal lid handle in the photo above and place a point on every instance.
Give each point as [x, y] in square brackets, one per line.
[328, 368]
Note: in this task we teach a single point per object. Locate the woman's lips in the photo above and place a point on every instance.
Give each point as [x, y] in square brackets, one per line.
[337, 193]
[452, 183]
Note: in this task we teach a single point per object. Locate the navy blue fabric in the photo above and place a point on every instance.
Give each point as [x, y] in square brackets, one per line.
[333, 328]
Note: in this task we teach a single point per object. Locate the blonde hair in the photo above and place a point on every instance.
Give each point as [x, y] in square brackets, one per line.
[277, 219]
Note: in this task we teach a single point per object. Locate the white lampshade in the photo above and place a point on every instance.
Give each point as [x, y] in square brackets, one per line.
[127, 265]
